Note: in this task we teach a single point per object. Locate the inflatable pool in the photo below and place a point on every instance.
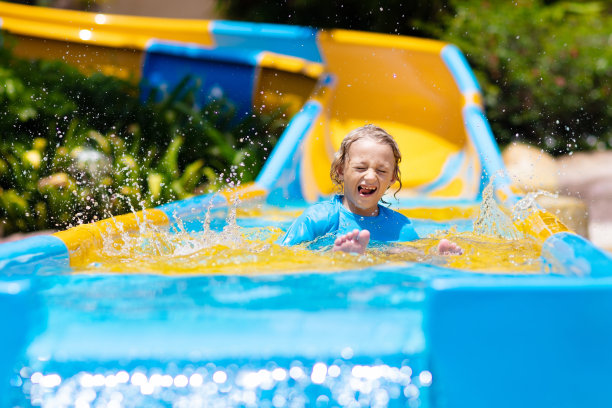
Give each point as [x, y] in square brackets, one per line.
[192, 304]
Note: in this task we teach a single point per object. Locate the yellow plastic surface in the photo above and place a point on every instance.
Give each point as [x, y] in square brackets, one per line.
[318, 156]
[291, 64]
[105, 29]
[248, 192]
[81, 242]
[318, 150]
[276, 88]
[402, 85]
[85, 241]
[541, 224]
[110, 43]
[247, 251]
[284, 81]
[122, 63]
[441, 213]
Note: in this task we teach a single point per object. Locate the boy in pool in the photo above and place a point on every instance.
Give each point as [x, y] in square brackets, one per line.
[364, 167]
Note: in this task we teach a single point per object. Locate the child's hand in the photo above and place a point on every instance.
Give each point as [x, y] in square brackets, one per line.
[446, 247]
[354, 242]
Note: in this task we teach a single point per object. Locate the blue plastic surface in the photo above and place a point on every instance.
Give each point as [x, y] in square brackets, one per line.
[280, 174]
[27, 255]
[460, 69]
[520, 342]
[375, 311]
[476, 121]
[570, 254]
[481, 134]
[17, 303]
[221, 72]
[282, 39]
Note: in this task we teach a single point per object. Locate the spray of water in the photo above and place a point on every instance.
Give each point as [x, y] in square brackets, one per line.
[492, 221]
[494, 245]
[528, 204]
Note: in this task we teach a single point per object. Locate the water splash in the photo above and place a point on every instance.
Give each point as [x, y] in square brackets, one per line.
[528, 204]
[233, 249]
[231, 230]
[228, 247]
[120, 241]
[492, 221]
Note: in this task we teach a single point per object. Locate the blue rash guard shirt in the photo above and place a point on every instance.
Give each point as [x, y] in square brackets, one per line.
[331, 218]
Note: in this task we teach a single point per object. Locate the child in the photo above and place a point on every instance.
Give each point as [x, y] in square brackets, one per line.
[364, 167]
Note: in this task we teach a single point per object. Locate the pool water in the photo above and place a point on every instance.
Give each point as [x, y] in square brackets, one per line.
[244, 242]
[213, 313]
[310, 339]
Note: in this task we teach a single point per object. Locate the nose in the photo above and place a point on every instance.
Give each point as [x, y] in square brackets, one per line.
[370, 175]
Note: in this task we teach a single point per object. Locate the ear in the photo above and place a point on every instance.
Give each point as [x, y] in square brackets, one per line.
[393, 180]
[340, 171]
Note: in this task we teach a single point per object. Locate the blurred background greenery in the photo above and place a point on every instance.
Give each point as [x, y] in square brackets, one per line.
[77, 148]
[545, 66]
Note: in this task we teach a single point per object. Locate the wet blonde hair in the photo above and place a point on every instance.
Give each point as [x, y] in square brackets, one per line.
[370, 132]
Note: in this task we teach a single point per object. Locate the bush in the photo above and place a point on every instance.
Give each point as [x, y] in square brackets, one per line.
[545, 69]
[545, 66]
[78, 148]
[392, 16]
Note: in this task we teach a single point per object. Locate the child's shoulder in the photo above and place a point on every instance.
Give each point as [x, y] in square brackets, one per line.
[333, 202]
[323, 208]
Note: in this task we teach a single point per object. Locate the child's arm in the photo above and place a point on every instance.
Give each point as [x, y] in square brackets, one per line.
[314, 222]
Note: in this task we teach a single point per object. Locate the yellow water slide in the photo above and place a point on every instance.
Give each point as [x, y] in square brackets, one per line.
[403, 85]
[112, 44]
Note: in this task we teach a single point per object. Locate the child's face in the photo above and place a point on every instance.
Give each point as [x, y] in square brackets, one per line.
[367, 173]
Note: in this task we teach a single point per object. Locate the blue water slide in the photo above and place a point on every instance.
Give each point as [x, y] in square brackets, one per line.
[476, 121]
[280, 173]
[281, 39]
[214, 72]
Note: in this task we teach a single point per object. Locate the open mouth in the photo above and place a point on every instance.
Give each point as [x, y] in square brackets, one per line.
[366, 191]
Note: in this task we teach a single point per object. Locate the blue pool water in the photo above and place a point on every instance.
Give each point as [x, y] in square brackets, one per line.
[336, 339]
[399, 334]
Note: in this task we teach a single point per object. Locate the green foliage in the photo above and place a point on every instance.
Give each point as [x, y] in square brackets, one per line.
[392, 16]
[78, 148]
[545, 69]
[544, 65]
